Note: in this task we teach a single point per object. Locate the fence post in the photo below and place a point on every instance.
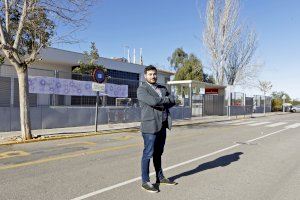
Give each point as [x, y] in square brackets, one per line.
[229, 104]
[42, 117]
[264, 103]
[124, 113]
[12, 88]
[244, 104]
[203, 105]
[191, 95]
[108, 116]
[56, 75]
[12, 91]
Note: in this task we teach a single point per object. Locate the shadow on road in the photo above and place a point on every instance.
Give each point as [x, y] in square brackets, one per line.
[219, 162]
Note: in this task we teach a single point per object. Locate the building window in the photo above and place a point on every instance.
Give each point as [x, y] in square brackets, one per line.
[116, 77]
[5, 91]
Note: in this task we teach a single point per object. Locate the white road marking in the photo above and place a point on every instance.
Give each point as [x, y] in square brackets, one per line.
[175, 166]
[243, 123]
[230, 122]
[259, 123]
[276, 124]
[293, 125]
[267, 135]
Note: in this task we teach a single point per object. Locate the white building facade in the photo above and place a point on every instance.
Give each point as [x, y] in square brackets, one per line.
[59, 63]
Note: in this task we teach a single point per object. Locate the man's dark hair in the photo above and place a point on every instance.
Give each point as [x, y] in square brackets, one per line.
[149, 68]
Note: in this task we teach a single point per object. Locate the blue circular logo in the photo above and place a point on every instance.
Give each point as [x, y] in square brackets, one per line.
[99, 76]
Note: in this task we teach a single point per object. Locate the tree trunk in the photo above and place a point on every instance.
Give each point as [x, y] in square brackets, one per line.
[24, 103]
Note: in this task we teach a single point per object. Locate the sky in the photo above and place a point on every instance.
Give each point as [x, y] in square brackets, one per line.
[161, 26]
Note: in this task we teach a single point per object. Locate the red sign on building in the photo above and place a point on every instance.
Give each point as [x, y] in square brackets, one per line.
[211, 91]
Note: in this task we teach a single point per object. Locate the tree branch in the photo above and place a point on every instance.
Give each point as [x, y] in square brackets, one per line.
[7, 9]
[33, 55]
[21, 24]
[9, 55]
[2, 36]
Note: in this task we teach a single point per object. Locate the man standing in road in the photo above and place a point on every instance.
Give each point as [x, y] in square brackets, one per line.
[155, 101]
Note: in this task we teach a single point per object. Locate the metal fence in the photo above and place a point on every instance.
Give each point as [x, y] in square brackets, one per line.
[44, 117]
[243, 105]
[240, 104]
[55, 111]
[262, 104]
[58, 111]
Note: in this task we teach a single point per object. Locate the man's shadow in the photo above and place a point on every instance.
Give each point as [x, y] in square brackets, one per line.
[219, 162]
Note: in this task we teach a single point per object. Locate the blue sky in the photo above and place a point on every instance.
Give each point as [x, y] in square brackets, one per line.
[161, 26]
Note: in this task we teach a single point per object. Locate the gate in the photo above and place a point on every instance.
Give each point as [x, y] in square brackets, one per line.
[197, 105]
[213, 105]
[248, 105]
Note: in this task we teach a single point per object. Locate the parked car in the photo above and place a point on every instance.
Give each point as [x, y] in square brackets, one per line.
[295, 108]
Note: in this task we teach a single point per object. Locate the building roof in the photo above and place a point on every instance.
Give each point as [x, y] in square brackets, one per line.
[71, 58]
[166, 72]
[195, 83]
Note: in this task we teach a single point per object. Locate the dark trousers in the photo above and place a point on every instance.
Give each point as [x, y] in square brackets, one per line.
[153, 147]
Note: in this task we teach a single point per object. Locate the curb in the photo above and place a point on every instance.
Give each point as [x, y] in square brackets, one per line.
[69, 136]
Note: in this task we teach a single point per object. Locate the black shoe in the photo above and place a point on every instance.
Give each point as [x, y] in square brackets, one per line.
[149, 187]
[166, 181]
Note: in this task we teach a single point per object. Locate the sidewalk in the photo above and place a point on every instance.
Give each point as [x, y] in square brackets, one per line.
[59, 133]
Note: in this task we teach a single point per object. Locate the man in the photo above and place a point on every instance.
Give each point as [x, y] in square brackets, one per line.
[155, 101]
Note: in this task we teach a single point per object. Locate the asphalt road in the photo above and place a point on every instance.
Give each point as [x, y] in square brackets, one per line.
[245, 159]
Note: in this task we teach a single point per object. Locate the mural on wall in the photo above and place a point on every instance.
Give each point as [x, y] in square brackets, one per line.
[50, 85]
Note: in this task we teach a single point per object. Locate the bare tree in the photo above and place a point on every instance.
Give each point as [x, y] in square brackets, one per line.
[220, 34]
[26, 27]
[239, 68]
[265, 87]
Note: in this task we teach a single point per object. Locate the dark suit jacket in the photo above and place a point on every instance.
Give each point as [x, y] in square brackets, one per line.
[152, 107]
